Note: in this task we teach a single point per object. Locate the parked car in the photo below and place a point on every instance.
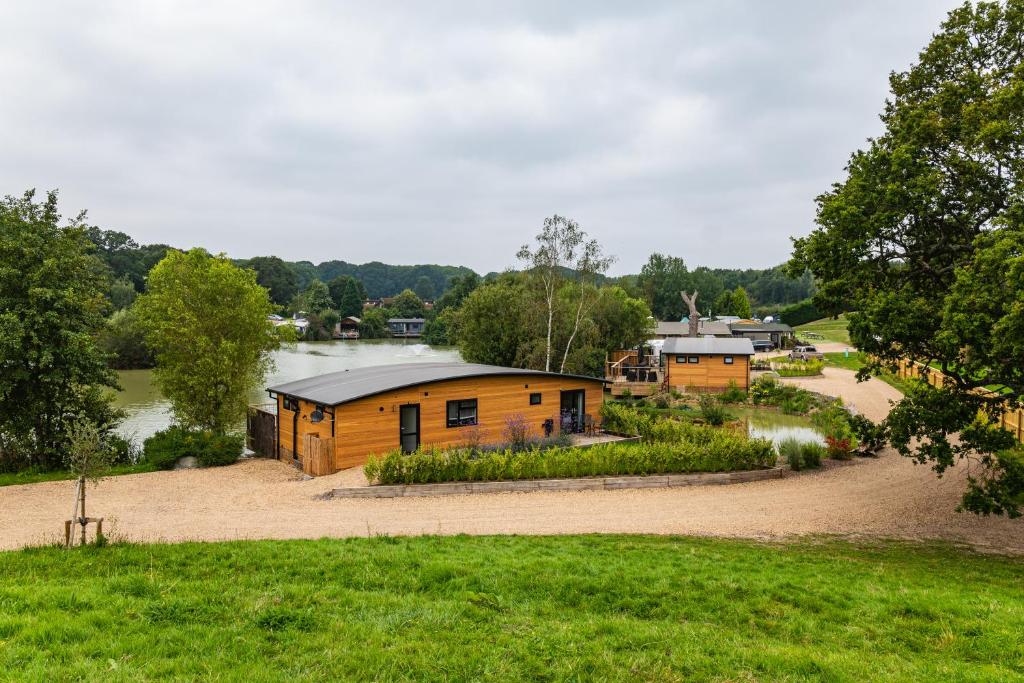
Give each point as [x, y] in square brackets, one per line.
[762, 345]
[805, 353]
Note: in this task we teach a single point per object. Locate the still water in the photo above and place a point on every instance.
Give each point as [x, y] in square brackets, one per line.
[148, 412]
[778, 427]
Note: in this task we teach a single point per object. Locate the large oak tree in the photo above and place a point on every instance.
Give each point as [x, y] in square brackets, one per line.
[923, 242]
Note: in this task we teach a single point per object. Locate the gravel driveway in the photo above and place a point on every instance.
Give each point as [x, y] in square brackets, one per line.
[884, 497]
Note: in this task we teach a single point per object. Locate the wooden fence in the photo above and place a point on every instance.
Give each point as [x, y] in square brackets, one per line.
[317, 455]
[1012, 420]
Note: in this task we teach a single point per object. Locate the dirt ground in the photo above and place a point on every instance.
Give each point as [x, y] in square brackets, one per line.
[887, 497]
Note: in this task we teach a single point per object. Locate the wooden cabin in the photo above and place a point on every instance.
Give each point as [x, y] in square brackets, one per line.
[406, 327]
[347, 328]
[355, 413]
[707, 363]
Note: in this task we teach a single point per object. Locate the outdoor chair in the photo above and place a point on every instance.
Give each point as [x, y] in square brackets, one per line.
[589, 426]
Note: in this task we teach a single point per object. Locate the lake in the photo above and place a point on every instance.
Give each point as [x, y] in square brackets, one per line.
[147, 411]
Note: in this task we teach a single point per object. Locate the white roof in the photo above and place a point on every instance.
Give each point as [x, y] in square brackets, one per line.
[734, 346]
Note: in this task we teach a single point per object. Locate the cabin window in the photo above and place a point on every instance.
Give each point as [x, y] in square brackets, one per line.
[727, 360]
[680, 359]
[462, 413]
[290, 404]
[693, 359]
[535, 399]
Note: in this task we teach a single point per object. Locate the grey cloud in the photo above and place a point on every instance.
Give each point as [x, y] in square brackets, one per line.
[445, 132]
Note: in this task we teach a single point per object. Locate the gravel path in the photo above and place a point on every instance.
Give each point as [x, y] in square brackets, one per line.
[885, 497]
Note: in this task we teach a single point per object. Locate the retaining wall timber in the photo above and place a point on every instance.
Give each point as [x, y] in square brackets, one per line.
[577, 484]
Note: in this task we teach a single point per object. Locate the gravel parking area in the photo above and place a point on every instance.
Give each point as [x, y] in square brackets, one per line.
[885, 497]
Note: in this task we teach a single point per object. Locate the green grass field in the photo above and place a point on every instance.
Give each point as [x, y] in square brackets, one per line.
[512, 608]
[831, 330]
[34, 476]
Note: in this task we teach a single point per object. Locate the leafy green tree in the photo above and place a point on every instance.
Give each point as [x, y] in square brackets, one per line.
[373, 324]
[124, 257]
[424, 288]
[458, 289]
[408, 305]
[336, 286]
[351, 303]
[317, 298]
[661, 279]
[440, 328]
[277, 276]
[52, 305]
[741, 303]
[124, 341]
[122, 293]
[922, 243]
[723, 304]
[621, 321]
[206, 321]
[493, 326]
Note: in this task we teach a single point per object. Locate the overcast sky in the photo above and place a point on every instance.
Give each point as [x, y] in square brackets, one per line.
[438, 132]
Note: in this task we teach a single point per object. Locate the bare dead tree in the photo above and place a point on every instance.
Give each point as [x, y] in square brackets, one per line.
[691, 302]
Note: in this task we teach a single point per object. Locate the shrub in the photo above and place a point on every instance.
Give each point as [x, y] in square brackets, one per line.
[626, 394]
[812, 454]
[164, 448]
[840, 449]
[621, 419]
[661, 401]
[799, 368]
[675, 393]
[725, 452]
[791, 452]
[517, 432]
[711, 410]
[870, 435]
[126, 451]
[733, 393]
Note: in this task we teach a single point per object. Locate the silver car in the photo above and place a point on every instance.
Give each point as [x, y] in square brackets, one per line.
[805, 353]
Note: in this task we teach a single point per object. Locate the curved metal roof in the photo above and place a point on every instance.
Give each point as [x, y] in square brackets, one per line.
[343, 386]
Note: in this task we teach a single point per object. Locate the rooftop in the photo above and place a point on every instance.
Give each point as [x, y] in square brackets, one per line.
[760, 327]
[737, 346]
[348, 385]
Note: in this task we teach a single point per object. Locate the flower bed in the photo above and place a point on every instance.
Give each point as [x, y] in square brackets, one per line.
[667, 447]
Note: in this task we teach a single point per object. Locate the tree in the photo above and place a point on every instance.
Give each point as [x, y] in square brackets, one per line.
[694, 315]
[424, 288]
[492, 324]
[123, 339]
[88, 457]
[622, 321]
[351, 302]
[277, 276]
[206, 321]
[459, 287]
[661, 279]
[922, 244]
[373, 324]
[408, 305]
[724, 304]
[337, 286]
[587, 264]
[741, 303]
[317, 298]
[122, 293]
[124, 257]
[52, 305]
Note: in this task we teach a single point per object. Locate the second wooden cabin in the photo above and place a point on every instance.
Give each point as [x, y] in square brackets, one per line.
[373, 410]
[707, 363]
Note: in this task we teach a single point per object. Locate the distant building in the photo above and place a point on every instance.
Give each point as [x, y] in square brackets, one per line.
[347, 328]
[713, 328]
[776, 333]
[707, 363]
[406, 327]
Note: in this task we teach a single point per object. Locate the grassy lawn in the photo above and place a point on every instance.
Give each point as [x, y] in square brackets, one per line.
[831, 330]
[855, 361]
[34, 476]
[512, 608]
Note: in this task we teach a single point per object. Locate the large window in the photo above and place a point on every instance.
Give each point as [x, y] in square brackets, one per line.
[462, 413]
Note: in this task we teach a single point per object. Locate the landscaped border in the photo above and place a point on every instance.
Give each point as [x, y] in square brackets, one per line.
[573, 484]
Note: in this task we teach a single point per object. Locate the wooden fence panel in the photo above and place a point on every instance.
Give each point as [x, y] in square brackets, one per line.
[261, 432]
[1010, 420]
[317, 455]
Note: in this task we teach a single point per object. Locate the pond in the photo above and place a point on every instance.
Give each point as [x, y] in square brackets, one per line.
[776, 426]
[147, 411]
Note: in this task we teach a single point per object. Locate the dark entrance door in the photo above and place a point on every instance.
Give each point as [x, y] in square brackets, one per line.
[572, 410]
[409, 427]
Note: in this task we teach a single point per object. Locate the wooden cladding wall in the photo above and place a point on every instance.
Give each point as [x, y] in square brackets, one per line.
[710, 373]
[1011, 420]
[370, 425]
